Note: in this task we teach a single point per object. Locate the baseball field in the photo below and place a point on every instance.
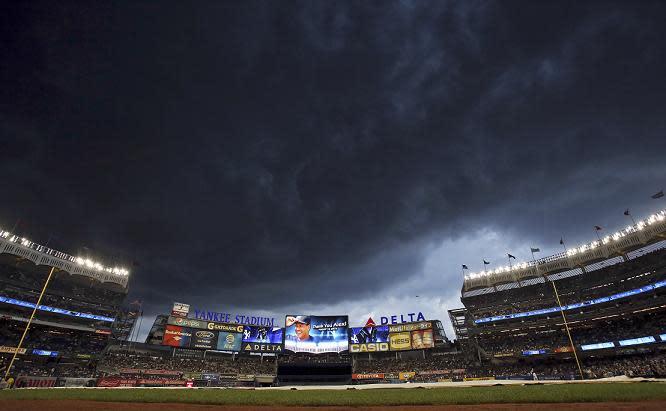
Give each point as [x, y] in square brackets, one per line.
[597, 396]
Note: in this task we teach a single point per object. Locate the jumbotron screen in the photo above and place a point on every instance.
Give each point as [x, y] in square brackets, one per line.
[315, 334]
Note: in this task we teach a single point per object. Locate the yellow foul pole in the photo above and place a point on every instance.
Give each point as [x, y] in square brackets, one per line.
[25, 332]
[566, 325]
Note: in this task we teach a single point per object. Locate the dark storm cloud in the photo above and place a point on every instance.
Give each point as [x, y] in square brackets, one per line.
[242, 149]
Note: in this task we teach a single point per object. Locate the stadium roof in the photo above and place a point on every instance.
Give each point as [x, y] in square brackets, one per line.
[42, 255]
[644, 232]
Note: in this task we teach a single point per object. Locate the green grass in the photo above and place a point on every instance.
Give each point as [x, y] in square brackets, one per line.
[434, 396]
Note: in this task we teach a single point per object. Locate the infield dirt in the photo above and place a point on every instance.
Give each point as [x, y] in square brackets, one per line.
[78, 405]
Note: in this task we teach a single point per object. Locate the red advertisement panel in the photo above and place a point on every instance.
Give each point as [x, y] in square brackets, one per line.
[30, 382]
[116, 382]
[161, 372]
[175, 336]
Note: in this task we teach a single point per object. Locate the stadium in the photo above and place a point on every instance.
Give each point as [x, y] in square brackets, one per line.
[594, 312]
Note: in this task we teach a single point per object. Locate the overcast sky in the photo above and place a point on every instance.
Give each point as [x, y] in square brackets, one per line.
[326, 157]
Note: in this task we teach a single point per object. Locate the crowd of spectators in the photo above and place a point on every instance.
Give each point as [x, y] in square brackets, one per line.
[117, 361]
[63, 340]
[64, 294]
[429, 368]
[391, 364]
[605, 330]
[643, 365]
[594, 284]
[49, 367]
[328, 358]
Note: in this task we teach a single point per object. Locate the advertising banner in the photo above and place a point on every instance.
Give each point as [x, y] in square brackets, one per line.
[210, 376]
[227, 376]
[205, 325]
[203, 339]
[368, 339]
[406, 376]
[11, 350]
[563, 349]
[435, 372]
[534, 352]
[245, 377]
[316, 334]
[76, 382]
[175, 336]
[423, 325]
[33, 382]
[186, 322]
[422, 339]
[161, 372]
[160, 383]
[400, 341]
[116, 382]
[180, 310]
[46, 353]
[262, 339]
[261, 347]
[229, 341]
[379, 376]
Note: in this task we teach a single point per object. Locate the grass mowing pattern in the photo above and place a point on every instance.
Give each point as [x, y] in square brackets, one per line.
[434, 396]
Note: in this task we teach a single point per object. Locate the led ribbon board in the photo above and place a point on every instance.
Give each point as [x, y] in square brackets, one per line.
[56, 310]
[599, 300]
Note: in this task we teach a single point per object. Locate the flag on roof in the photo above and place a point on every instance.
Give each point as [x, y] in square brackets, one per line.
[511, 256]
[485, 262]
[535, 250]
[562, 240]
[626, 212]
[596, 227]
[658, 195]
[370, 322]
[465, 267]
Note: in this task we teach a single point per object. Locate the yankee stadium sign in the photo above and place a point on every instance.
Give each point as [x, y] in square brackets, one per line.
[230, 318]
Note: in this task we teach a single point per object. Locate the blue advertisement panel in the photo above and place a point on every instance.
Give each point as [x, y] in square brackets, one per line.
[227, 341]
[369, 339]
[316, 334]
[534, 352]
